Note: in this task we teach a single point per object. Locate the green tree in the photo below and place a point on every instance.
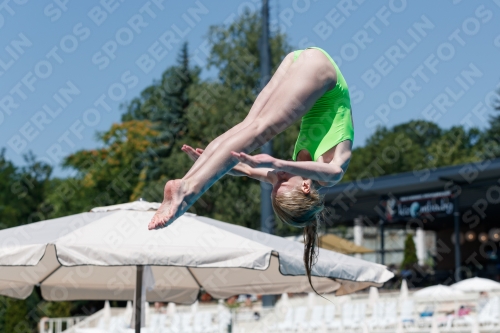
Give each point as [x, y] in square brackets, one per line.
[111, 174]
[24, 191]
[164, 104]
[15, 316]
[9, 215]
[20, 315]
[58, 309]
[235, 56]
[410, 253]
[491, 137]
[413, 146]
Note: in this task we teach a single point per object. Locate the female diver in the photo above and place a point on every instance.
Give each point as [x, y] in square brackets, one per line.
[307, 85]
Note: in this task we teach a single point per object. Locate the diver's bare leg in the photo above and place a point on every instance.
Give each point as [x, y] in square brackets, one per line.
[258, 105]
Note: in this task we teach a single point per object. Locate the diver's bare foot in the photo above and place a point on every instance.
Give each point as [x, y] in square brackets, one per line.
[173, 199]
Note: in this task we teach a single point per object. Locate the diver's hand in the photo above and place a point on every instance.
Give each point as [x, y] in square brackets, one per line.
[257, 161]
[239, 170]
[193, 154]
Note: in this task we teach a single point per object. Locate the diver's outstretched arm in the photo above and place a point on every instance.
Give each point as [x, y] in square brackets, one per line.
[326, 174]
[240, 170]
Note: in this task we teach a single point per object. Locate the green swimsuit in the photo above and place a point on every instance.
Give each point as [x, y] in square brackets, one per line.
[329, 121]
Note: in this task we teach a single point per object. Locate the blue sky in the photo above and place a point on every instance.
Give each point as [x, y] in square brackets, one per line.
[67, 66]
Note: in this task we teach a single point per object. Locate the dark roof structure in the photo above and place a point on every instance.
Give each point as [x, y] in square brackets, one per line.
[478, 183]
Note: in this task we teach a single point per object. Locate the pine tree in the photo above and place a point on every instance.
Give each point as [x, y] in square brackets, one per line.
[164, 104]
[492, 135]
[410, 253]
[170, 120]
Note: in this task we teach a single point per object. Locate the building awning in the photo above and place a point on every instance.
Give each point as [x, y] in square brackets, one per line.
[338, 244]
[335, 243]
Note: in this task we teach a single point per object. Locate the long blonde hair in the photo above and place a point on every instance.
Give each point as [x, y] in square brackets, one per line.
[302, 210]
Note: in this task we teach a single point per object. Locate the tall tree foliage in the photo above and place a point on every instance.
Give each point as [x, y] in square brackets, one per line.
[23, 191]
[20, 316]
[492, 135]
[235, 56]
[413, 146]
[164, 104]
[410, 253]
[111, 174]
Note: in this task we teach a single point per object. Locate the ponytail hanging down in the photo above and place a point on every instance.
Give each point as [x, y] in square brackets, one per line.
[302, 210]
[310, 254]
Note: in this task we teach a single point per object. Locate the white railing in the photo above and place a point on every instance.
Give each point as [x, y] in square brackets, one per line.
[58, 325]
[92, 320]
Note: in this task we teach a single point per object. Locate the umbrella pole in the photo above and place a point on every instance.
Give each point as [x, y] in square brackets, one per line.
[138, 301]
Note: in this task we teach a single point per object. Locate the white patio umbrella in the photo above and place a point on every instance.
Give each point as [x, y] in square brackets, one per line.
[403, 292]
[102, 254]
[171, 308]
[437, 292]
[476, 284]
[107, 312]
[194, 307]
[285, 300]
[373, 296]
[311, 299]
[129, 311]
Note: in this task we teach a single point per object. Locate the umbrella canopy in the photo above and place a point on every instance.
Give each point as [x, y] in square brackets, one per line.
[476, 284]
[437, 292]
[335, 243]
[95, 255]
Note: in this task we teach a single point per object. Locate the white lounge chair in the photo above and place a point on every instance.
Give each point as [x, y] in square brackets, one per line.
[154, 323]
[390, 314]
[353, 315]
[223, 320]
[186, 319]
[175, 324]
[286, 323]
[316, 320]
[378, 316]
[299, 318]
[488, 317]
[204, 323]
[330, 321]
[294, 320]
[407, 316]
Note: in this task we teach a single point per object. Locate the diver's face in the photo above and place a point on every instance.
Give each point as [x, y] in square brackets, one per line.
[286, 182]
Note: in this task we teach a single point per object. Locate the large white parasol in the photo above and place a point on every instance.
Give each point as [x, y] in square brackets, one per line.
[437, 292]
[476, 284]
[102, 254]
